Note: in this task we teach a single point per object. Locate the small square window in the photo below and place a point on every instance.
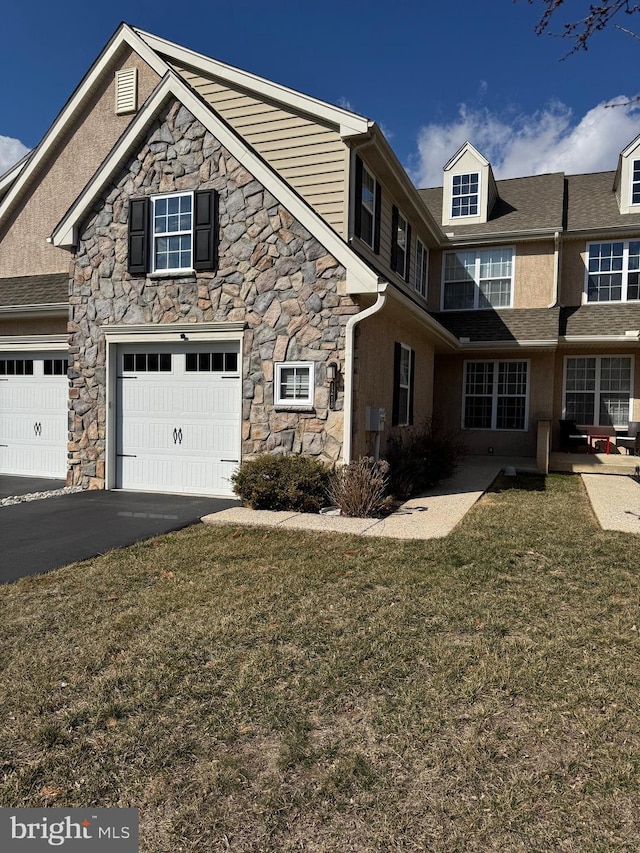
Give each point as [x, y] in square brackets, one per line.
[294, 383]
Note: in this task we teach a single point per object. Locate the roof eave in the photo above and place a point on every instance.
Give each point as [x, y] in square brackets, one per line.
[35, 310]
[516, 343]
[530, 234]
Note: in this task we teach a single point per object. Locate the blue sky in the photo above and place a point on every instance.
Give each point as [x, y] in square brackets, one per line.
[431, 74]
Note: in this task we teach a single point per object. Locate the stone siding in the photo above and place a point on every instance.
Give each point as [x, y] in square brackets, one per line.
[272, 275]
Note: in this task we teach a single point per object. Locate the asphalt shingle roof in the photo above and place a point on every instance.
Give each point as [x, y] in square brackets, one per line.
[524, 204]
[592, 203]
[531, 324]
[600, 319]
[34, 289]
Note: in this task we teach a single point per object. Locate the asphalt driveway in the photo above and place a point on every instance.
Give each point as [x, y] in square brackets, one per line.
[37, 536]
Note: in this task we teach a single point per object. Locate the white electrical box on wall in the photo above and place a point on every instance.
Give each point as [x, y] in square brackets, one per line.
[374, 418]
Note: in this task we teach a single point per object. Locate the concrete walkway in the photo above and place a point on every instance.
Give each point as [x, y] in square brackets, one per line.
[430, 516]
[615, 501]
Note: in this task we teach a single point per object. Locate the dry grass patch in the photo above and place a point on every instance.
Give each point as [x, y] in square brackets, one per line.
[271, 691]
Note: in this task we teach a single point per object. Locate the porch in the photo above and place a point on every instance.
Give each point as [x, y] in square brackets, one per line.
[594, 463]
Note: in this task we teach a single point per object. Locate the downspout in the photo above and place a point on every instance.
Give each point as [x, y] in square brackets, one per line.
[556, 270]
[350, 335]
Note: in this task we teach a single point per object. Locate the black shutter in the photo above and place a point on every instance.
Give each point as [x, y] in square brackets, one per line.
[408, 254]
[412, 376]
[395, 412]
[394, 237]
[205, 230]
[376, 224]
[139, 225]
[357, 218]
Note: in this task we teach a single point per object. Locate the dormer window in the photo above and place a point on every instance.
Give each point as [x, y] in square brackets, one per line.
[635, 182]
[465, 194]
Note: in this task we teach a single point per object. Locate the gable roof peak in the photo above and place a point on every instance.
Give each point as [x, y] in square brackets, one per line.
[464, 149]
[349, 123]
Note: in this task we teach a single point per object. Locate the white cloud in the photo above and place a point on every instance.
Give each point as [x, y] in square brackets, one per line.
[11, 150]
[550, 140]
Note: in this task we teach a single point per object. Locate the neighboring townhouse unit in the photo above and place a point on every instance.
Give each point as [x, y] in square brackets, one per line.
[538, 281]
[198, 265]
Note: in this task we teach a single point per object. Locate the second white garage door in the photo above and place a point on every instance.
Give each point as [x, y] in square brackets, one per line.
[33, 414]
[178, 417]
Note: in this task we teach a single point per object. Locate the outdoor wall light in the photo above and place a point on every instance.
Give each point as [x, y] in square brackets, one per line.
[332, 377]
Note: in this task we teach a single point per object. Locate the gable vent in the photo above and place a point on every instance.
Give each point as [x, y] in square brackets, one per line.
[126, 91]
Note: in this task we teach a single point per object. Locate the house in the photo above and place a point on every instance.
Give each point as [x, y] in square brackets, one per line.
[198, 265]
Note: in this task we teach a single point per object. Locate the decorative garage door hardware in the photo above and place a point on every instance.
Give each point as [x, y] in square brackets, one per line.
[37, 428]
[177, 436]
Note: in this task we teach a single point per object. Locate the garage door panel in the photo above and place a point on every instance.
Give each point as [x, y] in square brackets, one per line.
[179, 431]
[33, 414]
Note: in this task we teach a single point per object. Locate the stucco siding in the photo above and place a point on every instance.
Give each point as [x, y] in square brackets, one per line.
[448, 391]
[34, 326]
[373, 380]
[573, 272]
[71, 163]
[308, 154]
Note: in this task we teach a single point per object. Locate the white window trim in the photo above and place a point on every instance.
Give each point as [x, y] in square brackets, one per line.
[476, 281]
[596, 392]
[367, 171]
[170, 270]
[421, 286]
[494, 400]
[288, 403]
[624, 272]
[457, 216]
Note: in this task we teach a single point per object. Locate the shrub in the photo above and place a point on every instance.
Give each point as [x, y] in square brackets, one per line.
[421, 456]
[290, 482]
[360, 488]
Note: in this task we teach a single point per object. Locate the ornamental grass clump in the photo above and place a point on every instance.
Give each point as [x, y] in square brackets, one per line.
[279, 482]
[359, 489]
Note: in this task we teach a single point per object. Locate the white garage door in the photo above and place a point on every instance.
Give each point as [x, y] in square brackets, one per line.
[33, 414]
[179, 417]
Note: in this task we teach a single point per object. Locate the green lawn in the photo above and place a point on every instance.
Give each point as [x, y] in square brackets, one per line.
[255, 690]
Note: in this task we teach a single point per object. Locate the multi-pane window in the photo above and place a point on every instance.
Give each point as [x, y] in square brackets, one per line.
[478, 278]
[598, 390]
[422, 267]
[464, 194]
[635, 182]
[294, 384]
[16, 367]
[211, 362]
[495, 395]
[172, 232]
[147, 362]
[613, 271]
